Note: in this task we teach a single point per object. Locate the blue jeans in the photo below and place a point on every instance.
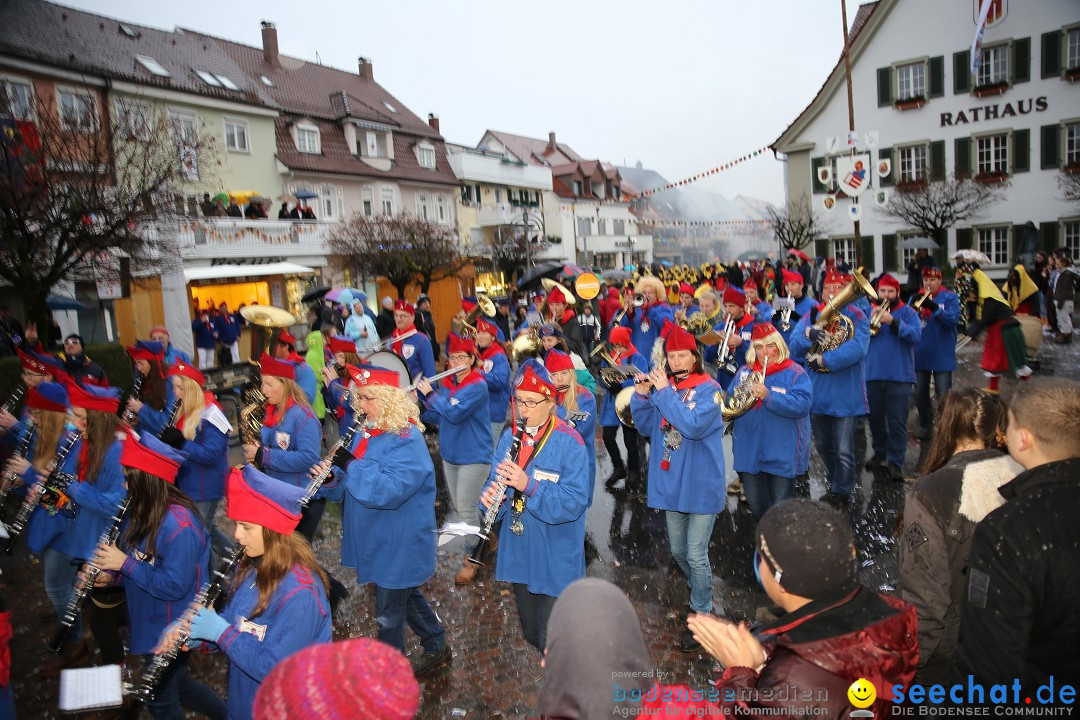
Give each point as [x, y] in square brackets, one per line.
[393, 608]
[942, 385]
[834, 438]
[220, 542]
[763, 490]
[688, 538]
[60, 573]
[889, 404]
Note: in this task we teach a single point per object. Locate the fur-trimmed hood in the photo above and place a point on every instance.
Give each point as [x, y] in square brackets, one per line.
[979, 494]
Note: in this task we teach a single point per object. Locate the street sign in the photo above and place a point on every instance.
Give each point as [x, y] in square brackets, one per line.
[587, 286]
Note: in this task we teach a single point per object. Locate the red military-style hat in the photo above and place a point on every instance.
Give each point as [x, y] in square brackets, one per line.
[734, 296]
[89, 397]
[534, 377]
[287, 337]
[184, 369]
[152, 456]
[146, 350]
[677, 338]
[404, 306]
[556, 295]
[458, 344]
[686, 288]
[467, 304]
[793, 277]
[254, 497]
[556, 361]
[887, 280]
[762, 331]
[33, 363]
[368, 376]
[486, 326]
[931, 271]
[341, 345]
[834, 277]
[276, 368]
[48, 396]
[620, 336]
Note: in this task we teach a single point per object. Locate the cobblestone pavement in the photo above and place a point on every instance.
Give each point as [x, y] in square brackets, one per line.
[494, 673]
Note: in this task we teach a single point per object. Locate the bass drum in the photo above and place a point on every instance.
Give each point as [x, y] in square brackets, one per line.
[386, 360]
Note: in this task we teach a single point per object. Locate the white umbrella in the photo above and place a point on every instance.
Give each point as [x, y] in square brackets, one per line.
[920, 243]
[969, 255]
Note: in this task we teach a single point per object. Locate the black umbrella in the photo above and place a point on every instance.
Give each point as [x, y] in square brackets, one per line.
[56, 302]
[536, 272]
[316, 294]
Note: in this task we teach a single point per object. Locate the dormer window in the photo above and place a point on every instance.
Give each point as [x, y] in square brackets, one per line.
[372, 144]
[152, 65]
[215, 80]
[425, 154]
[307, 139]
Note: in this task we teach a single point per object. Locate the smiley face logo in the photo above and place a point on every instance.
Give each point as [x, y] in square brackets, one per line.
[862, 693]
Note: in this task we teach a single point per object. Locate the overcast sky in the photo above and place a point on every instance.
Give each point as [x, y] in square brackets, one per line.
[682, 85]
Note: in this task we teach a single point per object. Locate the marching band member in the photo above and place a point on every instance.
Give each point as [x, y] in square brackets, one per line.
[337, 380]
[735, 307]
[542, 539]
[305, 376]
[687, 302]
[160, 560]
[935, 355]
[563, 317]
[202, 433]
[686, 465]
[646, 322]
[278, 600]
[387, 483]
[710, 305]
[291, 435]
[415, 350]
[97, 496]
[1005, 349]
[624, 353]
[495, 370]
[796, 290]
[155, 395]
[551, 336]
[460, 408]
[890, 374]
[173, 355]
[36, 369]
[771, 441]
[760, 310]
[838, 376]
[576, 406]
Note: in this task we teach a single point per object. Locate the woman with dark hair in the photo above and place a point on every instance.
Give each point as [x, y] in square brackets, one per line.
[336, 380]
[161, 559]
[964, 468]
[577, 406]
[155, 395]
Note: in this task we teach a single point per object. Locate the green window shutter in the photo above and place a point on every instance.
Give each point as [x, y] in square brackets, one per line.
[1016, 244]
[886, 154]
[937, 160]
[1050, 136]
[868, 255]
[937, 76]
[962, 156]
[884, 86]
[1021, 147]
[964, 238]
[961, 72]
[890, 253]
[1051, 54]
[1048, 236]
[942, 239]
[1021, 60]
[821, 248]
[815, 163]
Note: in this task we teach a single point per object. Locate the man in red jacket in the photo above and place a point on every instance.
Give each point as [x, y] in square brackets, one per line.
[832, 633]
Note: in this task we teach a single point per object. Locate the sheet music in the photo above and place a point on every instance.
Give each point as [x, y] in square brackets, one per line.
[89, 688]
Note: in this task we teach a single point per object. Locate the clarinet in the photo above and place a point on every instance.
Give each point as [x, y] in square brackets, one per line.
[125, 414]
[477, 557]
[173, 415]
[343, 442]
[56, 481]
[24, 450]
[74, 606]
[207, 595]
[13, 399]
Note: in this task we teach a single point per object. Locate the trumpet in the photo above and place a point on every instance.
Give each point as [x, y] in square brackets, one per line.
[384, 344]
[786, 305]
[638, 301]
[727, 355]
[875, 317]
[483, 305]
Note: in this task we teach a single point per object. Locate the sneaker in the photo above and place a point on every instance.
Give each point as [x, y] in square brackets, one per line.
[735, 487]
[840, 502]
[616, 475]
[429, 662]
[687, 643]
[875, 462]
[466, 574]
[894, 473]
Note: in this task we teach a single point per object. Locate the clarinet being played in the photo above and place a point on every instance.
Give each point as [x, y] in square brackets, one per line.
[343, 442]
[90, 575]
[126, 415]
[24, 450]
[54, 482]
[174, 413]
[492, 513]
[13, 399]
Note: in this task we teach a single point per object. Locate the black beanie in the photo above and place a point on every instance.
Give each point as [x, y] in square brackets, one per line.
[810, 545]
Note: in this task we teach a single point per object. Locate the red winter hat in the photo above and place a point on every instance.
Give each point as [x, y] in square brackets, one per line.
[931, 271]
[887, 280]
[287, 337]
[750, 285]
[734, 296]
[159, 329]
[405, 306]
[32, 363]
[185, 370]
[534, 377]
[458, 344]
[834, 277]
[254, 497]
[371, 680]
[556, 295]
[143, 350]
[276, 368]
[793, 277]
[556, 361]
[467, 304]
[620, 336]
[150, 455]
[48, 396]
[686, 288]
[762, 331]
[104, 399]
[341, 345]
[485, 326]
[368, 376]
[677, 338]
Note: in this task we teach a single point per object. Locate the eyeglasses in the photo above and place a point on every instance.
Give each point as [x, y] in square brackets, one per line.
[529, 403]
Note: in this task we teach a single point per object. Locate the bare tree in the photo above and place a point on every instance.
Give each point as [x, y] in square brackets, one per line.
[1069, 184]
[934, 207]
[511, 248]
[795, 224]
[79, 194]
[402, 249]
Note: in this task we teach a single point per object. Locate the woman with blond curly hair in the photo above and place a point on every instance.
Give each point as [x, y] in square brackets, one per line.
[645, 322]
[386, 484]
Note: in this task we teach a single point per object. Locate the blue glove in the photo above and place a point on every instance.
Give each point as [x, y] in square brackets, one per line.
[208, 625]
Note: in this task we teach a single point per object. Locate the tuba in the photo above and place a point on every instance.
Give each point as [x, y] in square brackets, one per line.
[838, 326]
[483, 305]
[527, 345]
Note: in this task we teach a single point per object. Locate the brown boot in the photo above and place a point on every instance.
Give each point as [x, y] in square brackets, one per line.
[76, 654]
[466, 574]
[492, 544]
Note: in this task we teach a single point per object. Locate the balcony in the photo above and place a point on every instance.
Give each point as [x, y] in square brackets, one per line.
[506, 214]
[304, 241]
[473, 166]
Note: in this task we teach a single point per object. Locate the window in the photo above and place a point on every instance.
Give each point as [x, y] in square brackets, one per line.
[498, 196]
[427, 157]
[584, 226]
[994, 243]
[307, 139]
[1071, 238]
[374, 145]
[423, 202]
[388, 202]
[618, 227]
[577, 188]
[332, 209]
[227, 83]
[906, 254]
[266, 81]
[236, 135]
[601, 226]
[911, 81]
[183, 127]
[77, 111]
[389, 107]
[1072, 143]
[442, 210]
[15, 99]
[844, 251]
[912, 165]
[152, 65]
[994, 66]
[133, 119]
[208, 78]
[993, 155]
[1072, 51]
[368, 197]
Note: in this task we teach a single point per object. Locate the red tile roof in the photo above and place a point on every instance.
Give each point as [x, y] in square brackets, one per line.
[536, 151]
